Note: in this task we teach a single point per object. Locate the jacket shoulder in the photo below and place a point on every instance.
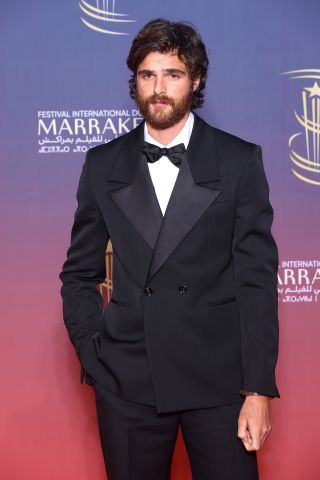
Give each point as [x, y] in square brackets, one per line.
[232, 151]
[103, 149]
[101, 157]
[230, 141]
[226, 140]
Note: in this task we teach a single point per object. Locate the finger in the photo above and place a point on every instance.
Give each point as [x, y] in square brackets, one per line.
[248, 443]
[242, 430]
[244, 435]
[255, 438]
[264, 436]
[246, 439]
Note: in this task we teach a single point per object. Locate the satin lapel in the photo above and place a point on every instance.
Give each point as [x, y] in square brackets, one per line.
[131, 188]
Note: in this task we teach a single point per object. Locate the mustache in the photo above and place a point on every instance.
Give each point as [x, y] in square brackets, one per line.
[161, 98]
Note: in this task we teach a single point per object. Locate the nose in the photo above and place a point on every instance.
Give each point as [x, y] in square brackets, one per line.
[159, 86]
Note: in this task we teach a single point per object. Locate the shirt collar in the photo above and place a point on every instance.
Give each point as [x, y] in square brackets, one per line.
[182, 137]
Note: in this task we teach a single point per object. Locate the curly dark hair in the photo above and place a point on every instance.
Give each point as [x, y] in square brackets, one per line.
[161, 35]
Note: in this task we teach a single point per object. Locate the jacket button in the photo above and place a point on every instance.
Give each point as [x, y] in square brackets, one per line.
[182, 288]
[148, 291]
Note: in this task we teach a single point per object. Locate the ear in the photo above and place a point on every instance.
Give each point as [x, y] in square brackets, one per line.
[195, 83]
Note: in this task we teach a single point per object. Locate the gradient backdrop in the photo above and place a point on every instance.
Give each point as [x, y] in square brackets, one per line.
[64, 88]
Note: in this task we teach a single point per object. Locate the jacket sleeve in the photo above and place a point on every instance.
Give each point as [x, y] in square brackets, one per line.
[84, 267]
[256, 261]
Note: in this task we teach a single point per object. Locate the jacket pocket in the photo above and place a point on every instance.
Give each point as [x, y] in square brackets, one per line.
[222, 301]
[119, 302]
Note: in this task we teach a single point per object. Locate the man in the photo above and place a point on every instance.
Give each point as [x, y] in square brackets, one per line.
[190, 335]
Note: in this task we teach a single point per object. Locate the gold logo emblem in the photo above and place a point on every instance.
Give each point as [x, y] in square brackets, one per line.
[101, 14]
[304, 145]
[105, 288]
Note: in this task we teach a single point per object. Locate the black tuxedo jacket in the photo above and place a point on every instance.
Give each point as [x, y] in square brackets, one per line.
[193, 313]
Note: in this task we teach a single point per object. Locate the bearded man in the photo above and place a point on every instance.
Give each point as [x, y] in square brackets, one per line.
[190, 335]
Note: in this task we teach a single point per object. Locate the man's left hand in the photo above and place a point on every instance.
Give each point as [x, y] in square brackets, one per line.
[255, 421]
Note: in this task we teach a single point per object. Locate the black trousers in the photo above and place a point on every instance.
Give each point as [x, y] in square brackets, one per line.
[138, 443]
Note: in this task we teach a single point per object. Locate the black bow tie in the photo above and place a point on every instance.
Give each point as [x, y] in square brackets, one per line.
[153, 153]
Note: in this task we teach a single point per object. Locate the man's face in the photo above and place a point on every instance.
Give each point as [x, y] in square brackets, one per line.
[164, 89]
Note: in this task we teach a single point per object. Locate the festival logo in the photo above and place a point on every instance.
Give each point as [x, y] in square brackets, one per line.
[299, 281]
[75, 131]
[304, 145]
[101, 16]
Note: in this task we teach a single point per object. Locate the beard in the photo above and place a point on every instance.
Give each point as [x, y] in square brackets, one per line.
[164, 117]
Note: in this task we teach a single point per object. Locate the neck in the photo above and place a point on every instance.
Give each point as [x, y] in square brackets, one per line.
[166, 135]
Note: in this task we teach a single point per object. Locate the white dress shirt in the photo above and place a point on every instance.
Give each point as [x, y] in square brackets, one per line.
[163, 172]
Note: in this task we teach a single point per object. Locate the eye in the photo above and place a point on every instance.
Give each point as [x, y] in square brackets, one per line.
[147, 75]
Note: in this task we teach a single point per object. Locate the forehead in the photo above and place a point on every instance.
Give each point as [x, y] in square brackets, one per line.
[159, 61]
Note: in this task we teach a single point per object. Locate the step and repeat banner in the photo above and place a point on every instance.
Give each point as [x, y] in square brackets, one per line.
[64, 89]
